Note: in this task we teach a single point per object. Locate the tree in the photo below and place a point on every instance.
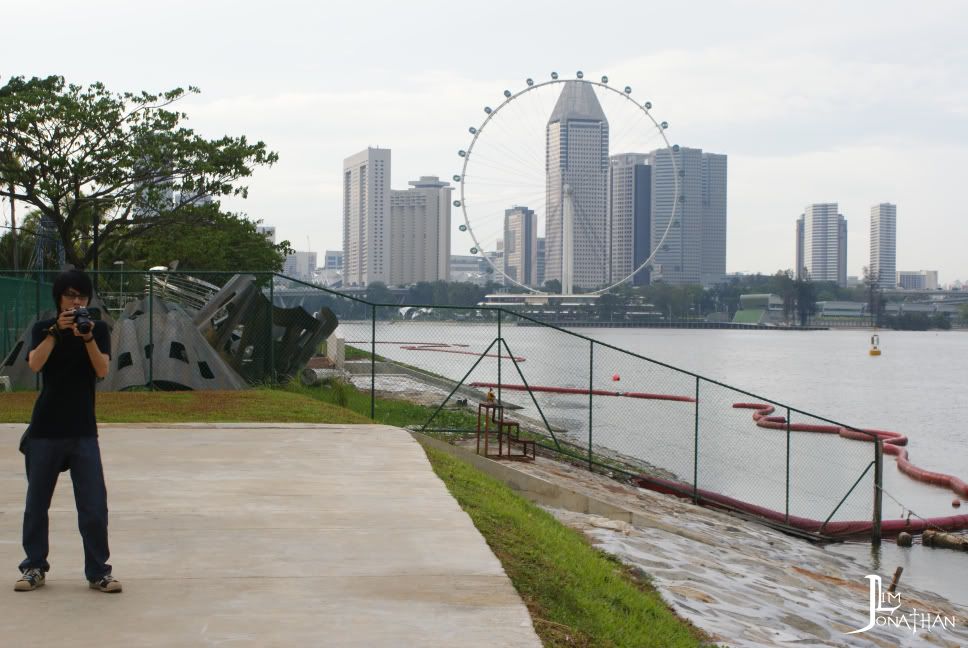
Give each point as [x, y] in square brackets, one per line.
[230, 242]
[875, 297]
[95, 161]
[806, 293]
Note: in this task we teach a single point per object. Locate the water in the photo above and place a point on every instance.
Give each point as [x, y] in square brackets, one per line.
[915, 388]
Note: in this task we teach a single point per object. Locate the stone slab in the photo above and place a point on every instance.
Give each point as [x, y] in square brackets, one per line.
[263, 535]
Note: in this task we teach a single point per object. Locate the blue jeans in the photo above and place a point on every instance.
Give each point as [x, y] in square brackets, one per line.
[44, 459]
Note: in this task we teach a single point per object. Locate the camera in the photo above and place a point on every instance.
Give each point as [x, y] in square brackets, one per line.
[84, 318]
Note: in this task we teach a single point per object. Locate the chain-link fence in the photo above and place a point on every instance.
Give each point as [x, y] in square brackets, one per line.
[428, 367]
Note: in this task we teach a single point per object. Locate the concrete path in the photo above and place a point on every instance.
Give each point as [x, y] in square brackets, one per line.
[262, 535]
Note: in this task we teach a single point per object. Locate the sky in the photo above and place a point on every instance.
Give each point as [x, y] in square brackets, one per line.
[850, 102]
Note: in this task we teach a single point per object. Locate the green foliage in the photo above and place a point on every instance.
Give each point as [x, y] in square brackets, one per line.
[90, 158]
[225, 242]
[917, 322]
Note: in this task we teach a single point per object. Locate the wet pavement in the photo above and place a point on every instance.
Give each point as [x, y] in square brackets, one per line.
[746, 584]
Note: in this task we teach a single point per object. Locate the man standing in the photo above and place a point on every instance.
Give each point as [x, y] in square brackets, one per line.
[63, 433]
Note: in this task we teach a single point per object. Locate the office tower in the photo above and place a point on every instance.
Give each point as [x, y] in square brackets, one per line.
[333, 260]
[366, 214]
[883, 266]
[300, 265]
[825, 243]
[576, 158]
[799, 271]
[268, 231]
[521, 245]
[694, 252]
[420, 232]
[712, 259]
[540, 262]
[917, 279]
[629, 229]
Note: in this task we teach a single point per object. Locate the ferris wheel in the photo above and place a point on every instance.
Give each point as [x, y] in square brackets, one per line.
[581, 166]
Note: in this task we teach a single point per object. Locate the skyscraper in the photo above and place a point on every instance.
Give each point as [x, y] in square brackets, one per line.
[825, 243]
[366, 214]
[883, 266]
[712, 260]
[694, 252]
[420, 232]
[800, 271]
[576, 156]
[629, 228]
[521, 245]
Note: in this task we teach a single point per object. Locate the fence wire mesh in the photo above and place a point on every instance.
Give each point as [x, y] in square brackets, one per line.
[584, 398]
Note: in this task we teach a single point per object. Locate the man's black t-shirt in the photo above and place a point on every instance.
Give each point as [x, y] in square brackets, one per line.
[65, 407]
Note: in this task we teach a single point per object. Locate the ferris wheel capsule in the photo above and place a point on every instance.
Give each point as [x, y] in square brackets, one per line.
[580, 74]
[628, 89]
[456, 178]
[664, 125]
[463, 228]
[648, 105]
[507, 93]
[456, 203]
[474, 250]
[462, 153]
[472, 130]
[530, 82]
[604, 79]
[554, 75]
[488, 110]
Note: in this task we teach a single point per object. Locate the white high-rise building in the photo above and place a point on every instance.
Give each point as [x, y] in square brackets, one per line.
[268, 231]
[883, 266]
[300, 265]
[576, 156]
[420, 232]
[694, 252]
[521, 246]
[825, 243]
[366, 217]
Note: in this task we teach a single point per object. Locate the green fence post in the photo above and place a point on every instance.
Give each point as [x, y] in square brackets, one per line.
[878, 487]
[787, 518]
[272, 336]
[591, 370]
[695, 449]
[373, 361]
[151, 330]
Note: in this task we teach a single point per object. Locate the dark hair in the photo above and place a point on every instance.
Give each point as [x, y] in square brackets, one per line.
[75, 279]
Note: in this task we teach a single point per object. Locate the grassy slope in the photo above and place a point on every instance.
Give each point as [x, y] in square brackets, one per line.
[577, 595]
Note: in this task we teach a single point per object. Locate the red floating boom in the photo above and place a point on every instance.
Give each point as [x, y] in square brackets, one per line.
[843, 528]
[892, 444]
[580, 391]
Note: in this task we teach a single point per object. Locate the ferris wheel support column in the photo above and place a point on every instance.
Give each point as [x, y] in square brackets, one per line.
[567, 243]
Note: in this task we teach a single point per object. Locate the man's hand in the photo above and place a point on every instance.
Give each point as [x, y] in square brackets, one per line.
[65, 321]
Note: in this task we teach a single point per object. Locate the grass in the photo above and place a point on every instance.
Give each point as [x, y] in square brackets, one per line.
[255, 405]
[577, 595]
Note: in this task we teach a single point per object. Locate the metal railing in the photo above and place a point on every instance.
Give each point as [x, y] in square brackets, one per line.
[585, 399]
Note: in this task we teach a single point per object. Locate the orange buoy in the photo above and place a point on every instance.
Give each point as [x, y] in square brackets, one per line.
[616, 377]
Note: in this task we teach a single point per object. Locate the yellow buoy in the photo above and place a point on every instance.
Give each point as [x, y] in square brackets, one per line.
[875, 341]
